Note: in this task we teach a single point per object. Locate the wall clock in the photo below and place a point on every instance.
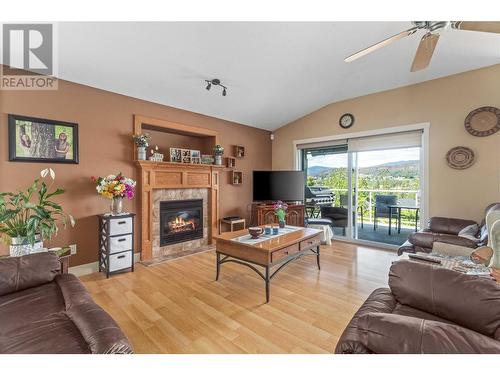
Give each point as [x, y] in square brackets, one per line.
[346, 120]
[483, 121]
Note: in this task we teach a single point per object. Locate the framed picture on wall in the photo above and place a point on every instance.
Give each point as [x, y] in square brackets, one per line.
[41, 140]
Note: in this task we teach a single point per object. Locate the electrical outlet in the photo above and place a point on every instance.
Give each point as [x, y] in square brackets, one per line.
[73, 248]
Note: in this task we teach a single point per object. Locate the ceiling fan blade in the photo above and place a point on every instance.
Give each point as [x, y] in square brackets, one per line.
[487, 27]
[424, 52]
[381, 44]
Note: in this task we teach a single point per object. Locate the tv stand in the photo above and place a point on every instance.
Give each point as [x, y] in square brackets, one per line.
[263, 213]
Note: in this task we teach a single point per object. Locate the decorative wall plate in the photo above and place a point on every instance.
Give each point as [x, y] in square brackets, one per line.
[483, 121]
[460, 157]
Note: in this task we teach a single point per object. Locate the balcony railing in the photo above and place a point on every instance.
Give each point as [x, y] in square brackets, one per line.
[366, 199]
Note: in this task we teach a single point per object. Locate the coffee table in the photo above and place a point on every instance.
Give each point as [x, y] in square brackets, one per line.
[268, 252]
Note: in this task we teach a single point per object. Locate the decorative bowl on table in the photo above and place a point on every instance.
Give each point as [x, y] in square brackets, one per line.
[255, 232]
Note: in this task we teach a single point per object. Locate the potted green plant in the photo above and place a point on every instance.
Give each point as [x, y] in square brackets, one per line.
[27, 218]
[218, 152]
[280, 212]
[141, 141]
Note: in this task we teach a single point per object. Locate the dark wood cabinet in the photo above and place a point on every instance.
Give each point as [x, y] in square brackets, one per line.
[264, 214]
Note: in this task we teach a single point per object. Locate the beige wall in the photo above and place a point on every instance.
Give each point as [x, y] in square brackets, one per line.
[105, 122]
[444, 103]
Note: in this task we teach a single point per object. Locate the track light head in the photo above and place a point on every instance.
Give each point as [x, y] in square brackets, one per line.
[216, 82]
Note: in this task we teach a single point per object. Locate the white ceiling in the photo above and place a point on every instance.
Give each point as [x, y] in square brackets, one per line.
[275, 72]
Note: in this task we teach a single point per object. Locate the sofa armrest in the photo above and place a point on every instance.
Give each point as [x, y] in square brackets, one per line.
[421, 239]
[28, 271]
[442, 292]
[398, 334]
[381, 300]
[97, 327]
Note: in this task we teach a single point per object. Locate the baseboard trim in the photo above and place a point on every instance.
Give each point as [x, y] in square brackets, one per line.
[88, 268]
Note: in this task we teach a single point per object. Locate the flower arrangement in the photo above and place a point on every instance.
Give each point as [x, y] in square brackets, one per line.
[218, 150]
[115, 186]
[280, 208]
[142, 140]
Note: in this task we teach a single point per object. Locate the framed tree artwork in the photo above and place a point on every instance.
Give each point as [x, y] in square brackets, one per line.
[40, 140]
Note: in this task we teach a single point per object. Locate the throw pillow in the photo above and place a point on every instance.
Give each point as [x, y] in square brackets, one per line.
[470, 232]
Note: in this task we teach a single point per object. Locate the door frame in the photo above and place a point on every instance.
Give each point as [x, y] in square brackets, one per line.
[424, 160]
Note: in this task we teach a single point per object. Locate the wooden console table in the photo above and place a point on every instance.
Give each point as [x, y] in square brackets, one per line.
[263, 213]
[277, 251]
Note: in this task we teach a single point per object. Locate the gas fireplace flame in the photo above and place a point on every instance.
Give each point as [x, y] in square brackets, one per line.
[180, 224]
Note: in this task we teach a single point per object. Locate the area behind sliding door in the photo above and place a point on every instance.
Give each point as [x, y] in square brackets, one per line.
[375, 185]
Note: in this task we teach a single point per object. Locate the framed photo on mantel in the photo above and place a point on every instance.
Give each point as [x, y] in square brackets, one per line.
[44, 141]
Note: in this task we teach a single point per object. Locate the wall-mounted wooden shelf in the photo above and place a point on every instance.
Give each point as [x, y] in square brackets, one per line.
[239, 151]
[236, 177]
[230, 162]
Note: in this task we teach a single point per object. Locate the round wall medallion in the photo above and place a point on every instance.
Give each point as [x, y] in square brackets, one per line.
[346, 120]
[483, 121]
[460, 157]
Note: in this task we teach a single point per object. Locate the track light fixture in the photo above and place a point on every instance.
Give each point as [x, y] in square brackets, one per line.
[216, 82]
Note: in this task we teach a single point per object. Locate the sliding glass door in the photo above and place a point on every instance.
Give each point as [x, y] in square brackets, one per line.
[387, 194]
[369, 188]
[327, 186]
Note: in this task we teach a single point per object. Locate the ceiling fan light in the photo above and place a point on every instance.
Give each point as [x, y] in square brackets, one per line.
[209, 86]
[224, 93]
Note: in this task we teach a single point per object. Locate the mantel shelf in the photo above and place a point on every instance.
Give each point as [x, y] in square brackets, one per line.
[168, 164]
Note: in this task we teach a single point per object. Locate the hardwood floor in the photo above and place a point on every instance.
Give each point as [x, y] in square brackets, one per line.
[177, 307]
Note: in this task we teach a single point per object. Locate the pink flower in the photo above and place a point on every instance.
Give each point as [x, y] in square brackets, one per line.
[129, 191]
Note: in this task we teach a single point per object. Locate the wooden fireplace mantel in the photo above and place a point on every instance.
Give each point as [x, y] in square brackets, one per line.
[165, 175]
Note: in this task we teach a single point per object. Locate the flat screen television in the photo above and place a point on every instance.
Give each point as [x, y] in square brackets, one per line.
[278, 185]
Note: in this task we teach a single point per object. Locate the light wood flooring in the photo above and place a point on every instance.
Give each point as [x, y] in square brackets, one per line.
[177, 307]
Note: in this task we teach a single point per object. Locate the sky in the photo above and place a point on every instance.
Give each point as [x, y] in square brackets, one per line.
[366, 158]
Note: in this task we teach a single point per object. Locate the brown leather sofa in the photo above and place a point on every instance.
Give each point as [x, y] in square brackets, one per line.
[428, 309]
[42, 311]
[443, 229]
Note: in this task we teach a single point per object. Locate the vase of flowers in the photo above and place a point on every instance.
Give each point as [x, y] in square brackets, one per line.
[115, 187]
[218, 152]
[280, 212]
[141, 141]
[29, 217]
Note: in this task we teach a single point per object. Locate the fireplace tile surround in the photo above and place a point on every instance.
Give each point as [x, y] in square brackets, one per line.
[162, 195]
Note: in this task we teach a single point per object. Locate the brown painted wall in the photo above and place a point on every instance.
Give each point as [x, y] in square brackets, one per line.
[105, 127]
[166, 140]
[444, 103]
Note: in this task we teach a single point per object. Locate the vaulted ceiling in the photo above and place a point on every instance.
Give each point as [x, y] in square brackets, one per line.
[275, 72]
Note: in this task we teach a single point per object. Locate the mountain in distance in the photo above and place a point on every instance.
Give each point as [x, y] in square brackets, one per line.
[395, 167]
[317, 170]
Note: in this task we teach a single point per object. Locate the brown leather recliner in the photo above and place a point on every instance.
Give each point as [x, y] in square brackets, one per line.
[42, 311]
[443, 229]
[428, 309]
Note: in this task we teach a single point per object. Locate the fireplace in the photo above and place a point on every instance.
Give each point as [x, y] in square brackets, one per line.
[180, 221]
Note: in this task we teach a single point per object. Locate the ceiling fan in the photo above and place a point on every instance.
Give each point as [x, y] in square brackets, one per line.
[428, 42]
